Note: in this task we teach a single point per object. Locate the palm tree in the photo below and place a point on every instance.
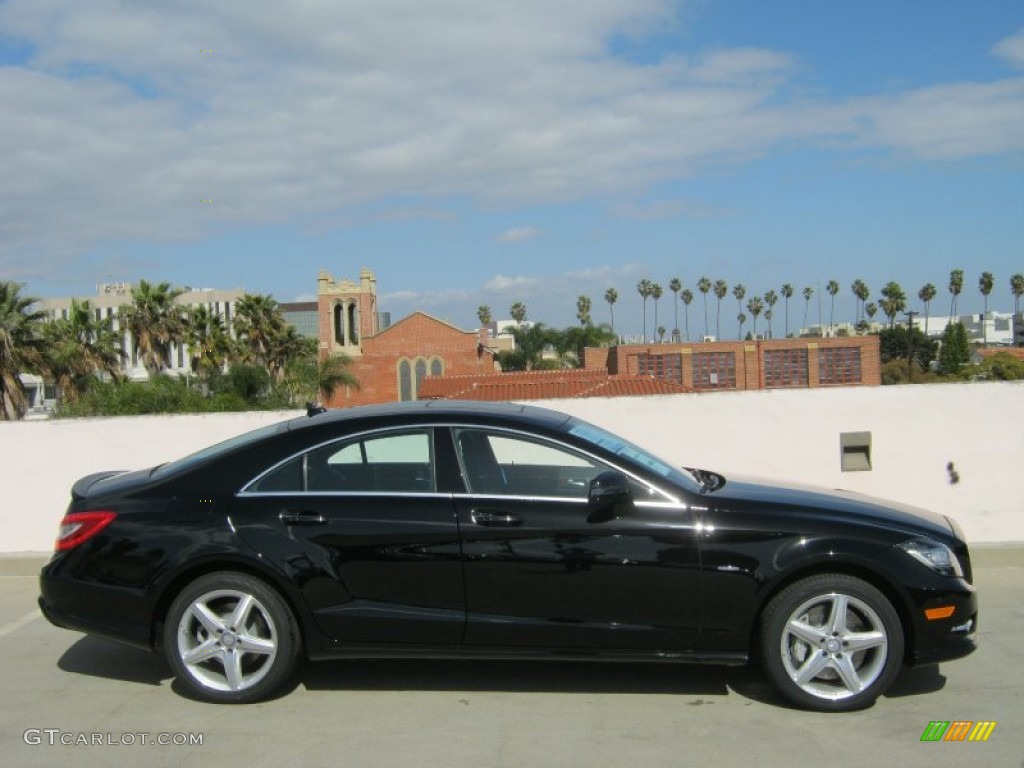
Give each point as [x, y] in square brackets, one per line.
[770, 299]
[611, 296]
[956, 285]
[739, 291]
[754, 307]
[833, 289]
[258, 320]
[985, 284]
[926, 294]
[1017, 288]
[721, 291]
[309, 380]
[661, 334]
[645, 288]
[483, 314]
[861, 292]
[808, 295]
[518, 312]
[583, 310]
[675, 285]
[741, 319]
[870, 309]
[894, 301]
[704, 285]
[530, 343]
[687, 297]
[20, 347]
[787, 293]
[154, 322]
[286, 345]
[78, 347]
[656, 294]
[332, 373]
[209, 344]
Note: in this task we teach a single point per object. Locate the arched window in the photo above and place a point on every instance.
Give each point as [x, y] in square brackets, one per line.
[404, 380]
[436, 366]
[353, 324]
[339, 323]
[421, 371]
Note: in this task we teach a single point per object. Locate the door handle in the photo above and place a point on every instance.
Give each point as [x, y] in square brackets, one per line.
[293, 517]
[495, 519]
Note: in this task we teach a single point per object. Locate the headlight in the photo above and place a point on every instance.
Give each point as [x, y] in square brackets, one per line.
[935, 555]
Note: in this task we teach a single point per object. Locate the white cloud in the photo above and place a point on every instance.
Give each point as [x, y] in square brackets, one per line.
[121, 123]
[1011, 49]
[667, 209]
[503, 284]
[518, 235]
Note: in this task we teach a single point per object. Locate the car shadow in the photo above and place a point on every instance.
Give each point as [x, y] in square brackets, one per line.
[97, 657]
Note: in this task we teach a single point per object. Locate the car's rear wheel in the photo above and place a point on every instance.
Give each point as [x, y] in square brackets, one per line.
[831, 642]
[230, 638]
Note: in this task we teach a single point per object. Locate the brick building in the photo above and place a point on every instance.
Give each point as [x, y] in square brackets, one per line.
[544, 385]
[732, 365]
[390, 364]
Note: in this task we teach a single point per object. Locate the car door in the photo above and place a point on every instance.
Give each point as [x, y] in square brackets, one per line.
[546, 569]
[360, 526]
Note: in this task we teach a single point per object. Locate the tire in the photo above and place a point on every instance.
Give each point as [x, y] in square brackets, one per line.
[831, 643]
[230, 638]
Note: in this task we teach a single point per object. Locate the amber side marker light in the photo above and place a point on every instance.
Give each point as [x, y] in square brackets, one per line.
[934, 614]
[79, 527]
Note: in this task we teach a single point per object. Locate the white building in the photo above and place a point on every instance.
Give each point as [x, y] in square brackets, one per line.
[111, 296]
[997, 328]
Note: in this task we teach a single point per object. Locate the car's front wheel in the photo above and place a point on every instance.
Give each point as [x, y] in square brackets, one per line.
[831, 642]
[230, 638]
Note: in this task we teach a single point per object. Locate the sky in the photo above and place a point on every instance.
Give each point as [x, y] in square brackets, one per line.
[477, 153]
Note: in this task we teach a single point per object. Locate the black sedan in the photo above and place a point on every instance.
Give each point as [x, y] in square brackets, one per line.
[447, 529]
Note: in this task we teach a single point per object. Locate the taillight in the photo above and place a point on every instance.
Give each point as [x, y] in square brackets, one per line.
[79, 527]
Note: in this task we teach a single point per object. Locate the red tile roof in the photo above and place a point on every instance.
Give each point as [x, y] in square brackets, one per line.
[1015, 352]
[543, 385]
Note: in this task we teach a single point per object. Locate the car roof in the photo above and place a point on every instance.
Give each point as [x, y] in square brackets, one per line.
[429, 410]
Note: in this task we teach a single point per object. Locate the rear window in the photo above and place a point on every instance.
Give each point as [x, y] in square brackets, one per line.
[213, 451]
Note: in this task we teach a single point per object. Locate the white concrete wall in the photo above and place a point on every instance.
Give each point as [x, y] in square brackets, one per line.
[781, 434]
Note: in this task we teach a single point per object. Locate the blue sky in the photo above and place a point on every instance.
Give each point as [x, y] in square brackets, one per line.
[483, 153]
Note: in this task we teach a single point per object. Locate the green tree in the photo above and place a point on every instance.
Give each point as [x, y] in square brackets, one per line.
[20, 347]
[833, 289]
[209, 344]
[721, 291]
[154, 322]
[755, 306]
[956, 285]
[899, 343]
[1017, 288]
[518, 312]
[985, 284]
[77, 348]
[955, 351]
[675, 285]
[645, 288]
[258, 320]
[285, 346]
[740, 291]
[1000, 367]
[656, 293]
[483, 314]
[870, 309]
[770, 299]
[576, 340]
[740, 319]
[687, 297]
[530, 344]
[611, 296]
[926, 294]
[861, 292]
[808, 295]
[787, 294]
[894, 301]
[583, 310]
[309, 380]
[704, 285]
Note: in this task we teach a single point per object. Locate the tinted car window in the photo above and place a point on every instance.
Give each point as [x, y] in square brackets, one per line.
[394, 462]
[498, 463]
[286, 478]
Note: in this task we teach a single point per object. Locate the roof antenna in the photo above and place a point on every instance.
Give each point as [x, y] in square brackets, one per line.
[312, 409]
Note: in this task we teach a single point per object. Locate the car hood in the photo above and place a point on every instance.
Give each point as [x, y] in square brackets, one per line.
[839, 503]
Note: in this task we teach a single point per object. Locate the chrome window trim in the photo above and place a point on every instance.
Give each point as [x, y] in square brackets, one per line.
[670, 499]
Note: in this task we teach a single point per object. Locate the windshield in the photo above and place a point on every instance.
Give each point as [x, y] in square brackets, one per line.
[212, 451]
[627, 450]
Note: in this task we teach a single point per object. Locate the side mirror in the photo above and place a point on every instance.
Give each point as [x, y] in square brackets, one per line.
[609, 488]
[609, 497]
